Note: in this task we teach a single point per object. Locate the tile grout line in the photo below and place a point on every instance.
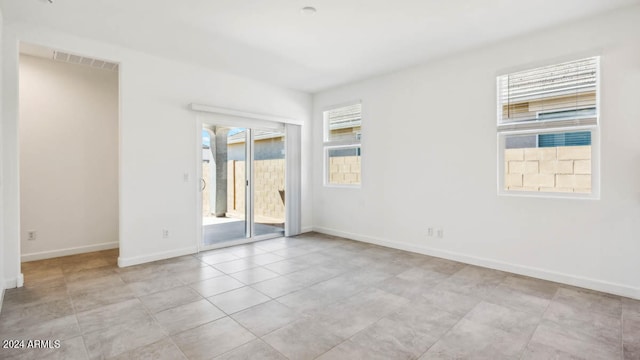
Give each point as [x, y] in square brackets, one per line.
[362, 330]
[621, 332]
[75, 314]
[539, 322]
[177, 347]
[149, 313]
[254, 334]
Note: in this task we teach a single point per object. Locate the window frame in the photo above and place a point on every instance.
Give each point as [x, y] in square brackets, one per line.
[594, 129]
[328, 145]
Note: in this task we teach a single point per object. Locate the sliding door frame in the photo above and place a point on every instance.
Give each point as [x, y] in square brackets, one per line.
[251, 122]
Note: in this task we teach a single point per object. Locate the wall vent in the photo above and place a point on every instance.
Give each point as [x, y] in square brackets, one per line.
[81, 60]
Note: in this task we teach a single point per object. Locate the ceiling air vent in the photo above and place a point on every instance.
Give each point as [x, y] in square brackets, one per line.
[75, 59]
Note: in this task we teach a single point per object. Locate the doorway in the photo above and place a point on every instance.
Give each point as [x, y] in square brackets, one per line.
[242, 184]
[68, 153]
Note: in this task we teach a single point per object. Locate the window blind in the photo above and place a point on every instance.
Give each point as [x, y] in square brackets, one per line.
[343, 123]
[580, 138]
[559, 95]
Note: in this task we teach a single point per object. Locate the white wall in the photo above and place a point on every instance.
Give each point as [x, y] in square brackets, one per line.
[2, 278]
[436, 125]
[157, 140]
[68, 158]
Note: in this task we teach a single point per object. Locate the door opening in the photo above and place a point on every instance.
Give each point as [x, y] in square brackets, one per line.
[68, 146]
[242, 185]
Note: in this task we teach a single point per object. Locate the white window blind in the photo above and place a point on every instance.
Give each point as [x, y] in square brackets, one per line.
[561, 95]
[343, 123]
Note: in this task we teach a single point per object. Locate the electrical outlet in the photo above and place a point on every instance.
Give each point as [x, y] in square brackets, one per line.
[440, 233]
[32, 235]
[185, 177]
[165, 233]
[430, 232]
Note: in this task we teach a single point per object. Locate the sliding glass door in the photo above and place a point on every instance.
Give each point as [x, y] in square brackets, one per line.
[242, 185]
[269, 179]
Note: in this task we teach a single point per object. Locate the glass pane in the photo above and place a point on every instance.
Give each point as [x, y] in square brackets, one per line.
[344, 166]
[564, 91]
[223, 182]
[269, 171]
[520, 142]
[565, 139]
[344, 124]
[548, 162]
[567, 114]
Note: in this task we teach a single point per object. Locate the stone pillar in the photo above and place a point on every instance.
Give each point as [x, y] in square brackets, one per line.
[220, 155]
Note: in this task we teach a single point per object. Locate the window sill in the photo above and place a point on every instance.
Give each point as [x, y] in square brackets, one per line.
[338, 186]
[549, 195]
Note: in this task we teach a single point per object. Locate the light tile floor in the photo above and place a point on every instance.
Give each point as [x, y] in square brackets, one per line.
[311, 296]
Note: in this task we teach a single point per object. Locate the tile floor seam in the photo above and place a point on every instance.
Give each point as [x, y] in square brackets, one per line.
[271, 298]
[316, 283]
[224, 312]
[622, 334]
[197, 326]
[177, 347]
[542, 316]
[256, 335]
[274, 298]
[247, 308]
[153, 317]
[242, 326]
[278, 328]
[524, 350]
[333, 347]
[226, 291]
[75, 315]
[84, 343]
[360, 331]
[172, 307]
[444, 334]
[73, 306]
[553, 299]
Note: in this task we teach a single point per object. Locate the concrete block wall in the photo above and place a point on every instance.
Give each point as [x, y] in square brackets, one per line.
[552, 169]
[345, 170]
[269, 177]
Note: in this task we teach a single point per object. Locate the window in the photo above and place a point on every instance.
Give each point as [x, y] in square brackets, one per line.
[342, 149]
[548, 129]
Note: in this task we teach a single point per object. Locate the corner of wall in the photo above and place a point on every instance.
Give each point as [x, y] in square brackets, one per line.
[9, 234]
[15, 282]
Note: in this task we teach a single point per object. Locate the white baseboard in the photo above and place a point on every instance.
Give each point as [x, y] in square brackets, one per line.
[14, 282]
[574, 280]
[306, 229]
[136, 260]
[68, 251]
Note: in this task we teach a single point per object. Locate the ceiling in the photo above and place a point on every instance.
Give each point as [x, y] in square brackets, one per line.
[272, 41]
